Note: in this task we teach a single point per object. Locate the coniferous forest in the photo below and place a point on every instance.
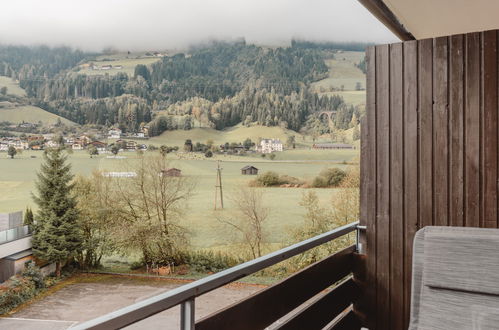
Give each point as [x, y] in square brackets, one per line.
[219, 85]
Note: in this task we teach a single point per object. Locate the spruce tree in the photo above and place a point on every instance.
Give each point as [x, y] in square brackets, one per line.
[28, 217]
[57, 236]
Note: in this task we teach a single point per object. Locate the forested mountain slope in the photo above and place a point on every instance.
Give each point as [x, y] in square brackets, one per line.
[218, 85]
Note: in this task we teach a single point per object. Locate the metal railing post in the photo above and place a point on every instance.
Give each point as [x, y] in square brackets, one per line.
[187, 321]
[358, 245]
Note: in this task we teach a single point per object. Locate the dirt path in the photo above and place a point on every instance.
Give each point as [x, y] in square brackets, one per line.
[89, 298]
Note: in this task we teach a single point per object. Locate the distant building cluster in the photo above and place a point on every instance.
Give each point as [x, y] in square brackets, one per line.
[268, 146]
[105, 67]
[116, 133]
[74, 142]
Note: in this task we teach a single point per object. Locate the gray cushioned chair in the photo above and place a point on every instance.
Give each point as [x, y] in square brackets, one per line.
[455, 281]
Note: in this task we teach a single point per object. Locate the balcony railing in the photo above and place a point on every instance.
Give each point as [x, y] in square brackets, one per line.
[13, 234]
[331, 304]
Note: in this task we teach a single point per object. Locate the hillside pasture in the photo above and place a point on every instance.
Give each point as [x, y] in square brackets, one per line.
[342, 72]
[237, 134]
[30, 114]
[12, 86]
[128, 64]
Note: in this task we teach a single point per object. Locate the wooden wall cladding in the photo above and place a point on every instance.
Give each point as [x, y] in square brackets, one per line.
[429, 155]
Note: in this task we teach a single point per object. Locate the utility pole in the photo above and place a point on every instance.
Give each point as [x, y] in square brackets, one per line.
[218, 186]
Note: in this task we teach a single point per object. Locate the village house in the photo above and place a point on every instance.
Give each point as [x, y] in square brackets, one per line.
[19, 144]
[52, 144]
[4, 146]
[114, 133]
[268, 146]
[100, 146]
[77, 146]
[249, 170]
[84, 139]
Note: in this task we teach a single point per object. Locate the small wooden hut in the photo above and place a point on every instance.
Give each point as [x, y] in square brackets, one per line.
[249, 170]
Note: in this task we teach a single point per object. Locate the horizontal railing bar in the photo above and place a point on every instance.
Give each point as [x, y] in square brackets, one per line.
[148, 307]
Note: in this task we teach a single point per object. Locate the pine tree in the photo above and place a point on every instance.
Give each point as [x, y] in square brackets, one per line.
[56, 236]
[28, 217]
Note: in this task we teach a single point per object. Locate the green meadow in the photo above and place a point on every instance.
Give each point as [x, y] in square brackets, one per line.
[30, 114]
[17, 177]
[12, 87]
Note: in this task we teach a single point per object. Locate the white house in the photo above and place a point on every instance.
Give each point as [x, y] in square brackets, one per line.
[77, 146]
[114, 133]
[268, 146]
[52, 144]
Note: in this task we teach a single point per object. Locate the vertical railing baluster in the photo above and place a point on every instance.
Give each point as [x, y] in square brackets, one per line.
[187, 321]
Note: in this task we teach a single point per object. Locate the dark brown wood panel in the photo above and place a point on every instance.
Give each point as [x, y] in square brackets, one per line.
[489, 124]
[410, 192]
[440, 132]
[456, 126]
[472, 131]
[347, 322]
[267, 306]
[429, 155]
[324, 310]
[425, 102]
[396, 184]
[383, 185]
[368, 182]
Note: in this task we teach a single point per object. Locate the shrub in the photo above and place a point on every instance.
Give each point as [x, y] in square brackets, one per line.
[18, 291]
[331, 177]
[268, 179]
[208, 154]
[319, 182]
[33, 273]
[208, 261]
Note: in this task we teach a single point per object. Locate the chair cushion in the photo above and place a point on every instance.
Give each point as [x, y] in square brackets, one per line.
[462, 261]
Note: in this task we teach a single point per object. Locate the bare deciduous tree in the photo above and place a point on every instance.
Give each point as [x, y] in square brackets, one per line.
[248, 218]
[149, 208]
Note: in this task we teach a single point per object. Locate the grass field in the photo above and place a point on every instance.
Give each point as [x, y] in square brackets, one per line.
[17, 178]
[12, 87]
[30, 114]
[343, 72]
[237, 133]
[350, 97]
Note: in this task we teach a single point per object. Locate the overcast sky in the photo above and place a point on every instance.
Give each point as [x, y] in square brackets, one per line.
[168, 24]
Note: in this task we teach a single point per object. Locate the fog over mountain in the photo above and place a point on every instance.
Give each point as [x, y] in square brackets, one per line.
[156, 24]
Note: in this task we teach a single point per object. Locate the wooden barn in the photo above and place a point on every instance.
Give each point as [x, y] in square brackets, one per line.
[249, 170]
[423, 254]
[171, 172]
[332, 146]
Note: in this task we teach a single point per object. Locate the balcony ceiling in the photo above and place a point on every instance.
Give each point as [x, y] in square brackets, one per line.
[434, 18]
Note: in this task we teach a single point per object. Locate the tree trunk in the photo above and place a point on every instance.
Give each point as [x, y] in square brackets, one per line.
[58, 269]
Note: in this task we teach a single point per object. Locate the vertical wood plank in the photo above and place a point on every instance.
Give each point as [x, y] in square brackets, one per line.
[410, 165]
[383, 186]
[456, 115]
[425, 91]
[396, 188]
[440, 132]
[472, 131]
[489, 124]
[368, 184]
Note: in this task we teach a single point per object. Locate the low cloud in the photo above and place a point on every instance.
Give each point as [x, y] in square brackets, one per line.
[173, 24]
